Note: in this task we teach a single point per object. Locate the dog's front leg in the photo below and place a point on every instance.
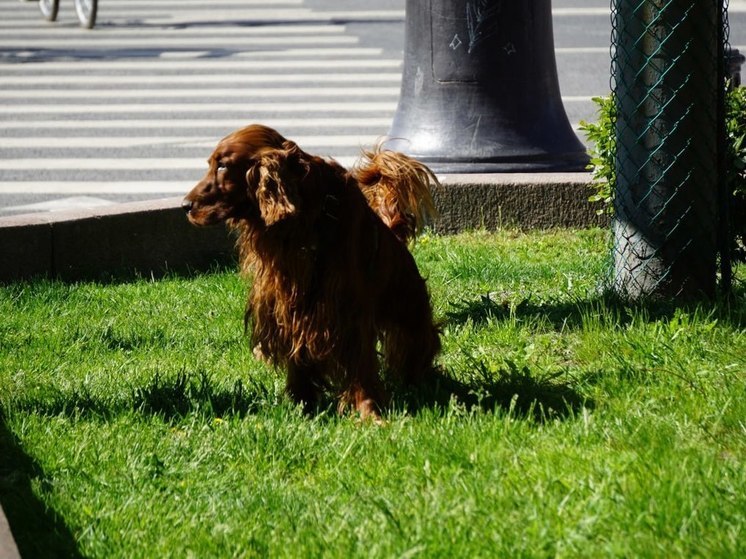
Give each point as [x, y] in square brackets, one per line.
[364, 392]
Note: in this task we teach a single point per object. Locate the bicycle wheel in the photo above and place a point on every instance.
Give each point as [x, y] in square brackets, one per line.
[49, 9]
[86, 10]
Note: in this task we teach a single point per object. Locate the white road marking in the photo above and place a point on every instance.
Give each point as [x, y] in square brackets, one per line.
[97, 142]
[211, 123]
[60, 204]
[196, 80]
[92, 95]
[246, 108]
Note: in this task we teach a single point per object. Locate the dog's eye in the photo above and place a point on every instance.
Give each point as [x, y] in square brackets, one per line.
[221, 167]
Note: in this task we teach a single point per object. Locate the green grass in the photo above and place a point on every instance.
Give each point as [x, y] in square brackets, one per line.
[134, 422]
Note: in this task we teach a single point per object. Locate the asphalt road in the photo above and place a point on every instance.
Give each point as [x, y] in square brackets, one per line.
[131, 109]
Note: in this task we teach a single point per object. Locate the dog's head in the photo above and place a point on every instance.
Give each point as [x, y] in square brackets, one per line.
[254, 174]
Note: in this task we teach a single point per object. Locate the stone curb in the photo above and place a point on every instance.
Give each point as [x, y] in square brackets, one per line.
[154, 237]
[8, 549]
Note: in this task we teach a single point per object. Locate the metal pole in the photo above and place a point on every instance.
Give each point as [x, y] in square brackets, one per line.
[480, 91]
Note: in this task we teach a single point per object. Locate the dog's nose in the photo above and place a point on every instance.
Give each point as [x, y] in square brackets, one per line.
[186, 205]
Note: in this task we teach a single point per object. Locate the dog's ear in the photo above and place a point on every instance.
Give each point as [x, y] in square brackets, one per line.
[277, 176]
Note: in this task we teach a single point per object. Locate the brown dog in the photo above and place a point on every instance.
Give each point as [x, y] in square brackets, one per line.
[326, 249]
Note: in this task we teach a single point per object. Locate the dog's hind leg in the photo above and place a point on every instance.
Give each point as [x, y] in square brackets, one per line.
[302, 385]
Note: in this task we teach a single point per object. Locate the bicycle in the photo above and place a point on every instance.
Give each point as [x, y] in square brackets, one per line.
[86, 10]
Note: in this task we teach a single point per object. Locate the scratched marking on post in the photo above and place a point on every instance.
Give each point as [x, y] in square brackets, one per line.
[456, 42]
[481, 20]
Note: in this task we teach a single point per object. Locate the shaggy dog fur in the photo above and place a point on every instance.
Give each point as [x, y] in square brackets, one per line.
[326, 249]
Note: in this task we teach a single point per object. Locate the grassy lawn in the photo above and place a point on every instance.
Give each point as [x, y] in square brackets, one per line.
[134, 422]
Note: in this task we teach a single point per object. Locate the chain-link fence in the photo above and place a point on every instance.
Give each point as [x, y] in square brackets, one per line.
[670, 222]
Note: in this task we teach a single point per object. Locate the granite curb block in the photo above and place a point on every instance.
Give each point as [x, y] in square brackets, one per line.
[147, 238]
[154, 237]
[519, 200]
[8, 548]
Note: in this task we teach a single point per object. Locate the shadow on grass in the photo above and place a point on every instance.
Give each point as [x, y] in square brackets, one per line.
[512, 389]
[123, 276]
[174, 398]
[38, 530]
[171, 397]
[574, 314]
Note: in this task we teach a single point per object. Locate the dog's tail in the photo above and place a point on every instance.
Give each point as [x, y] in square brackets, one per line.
[397, 188]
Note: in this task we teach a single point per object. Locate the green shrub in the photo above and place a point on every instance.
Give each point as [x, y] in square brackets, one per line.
[601, 164]
[735, 126]
[602, 167]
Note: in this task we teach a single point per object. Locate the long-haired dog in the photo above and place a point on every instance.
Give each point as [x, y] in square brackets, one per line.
[327, 251]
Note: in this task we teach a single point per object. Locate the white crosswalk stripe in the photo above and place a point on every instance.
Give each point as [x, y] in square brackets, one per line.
[134, 107]
[248, 92]
[246, 108]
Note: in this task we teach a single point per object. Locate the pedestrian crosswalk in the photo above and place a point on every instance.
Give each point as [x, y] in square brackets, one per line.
[132, 108]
